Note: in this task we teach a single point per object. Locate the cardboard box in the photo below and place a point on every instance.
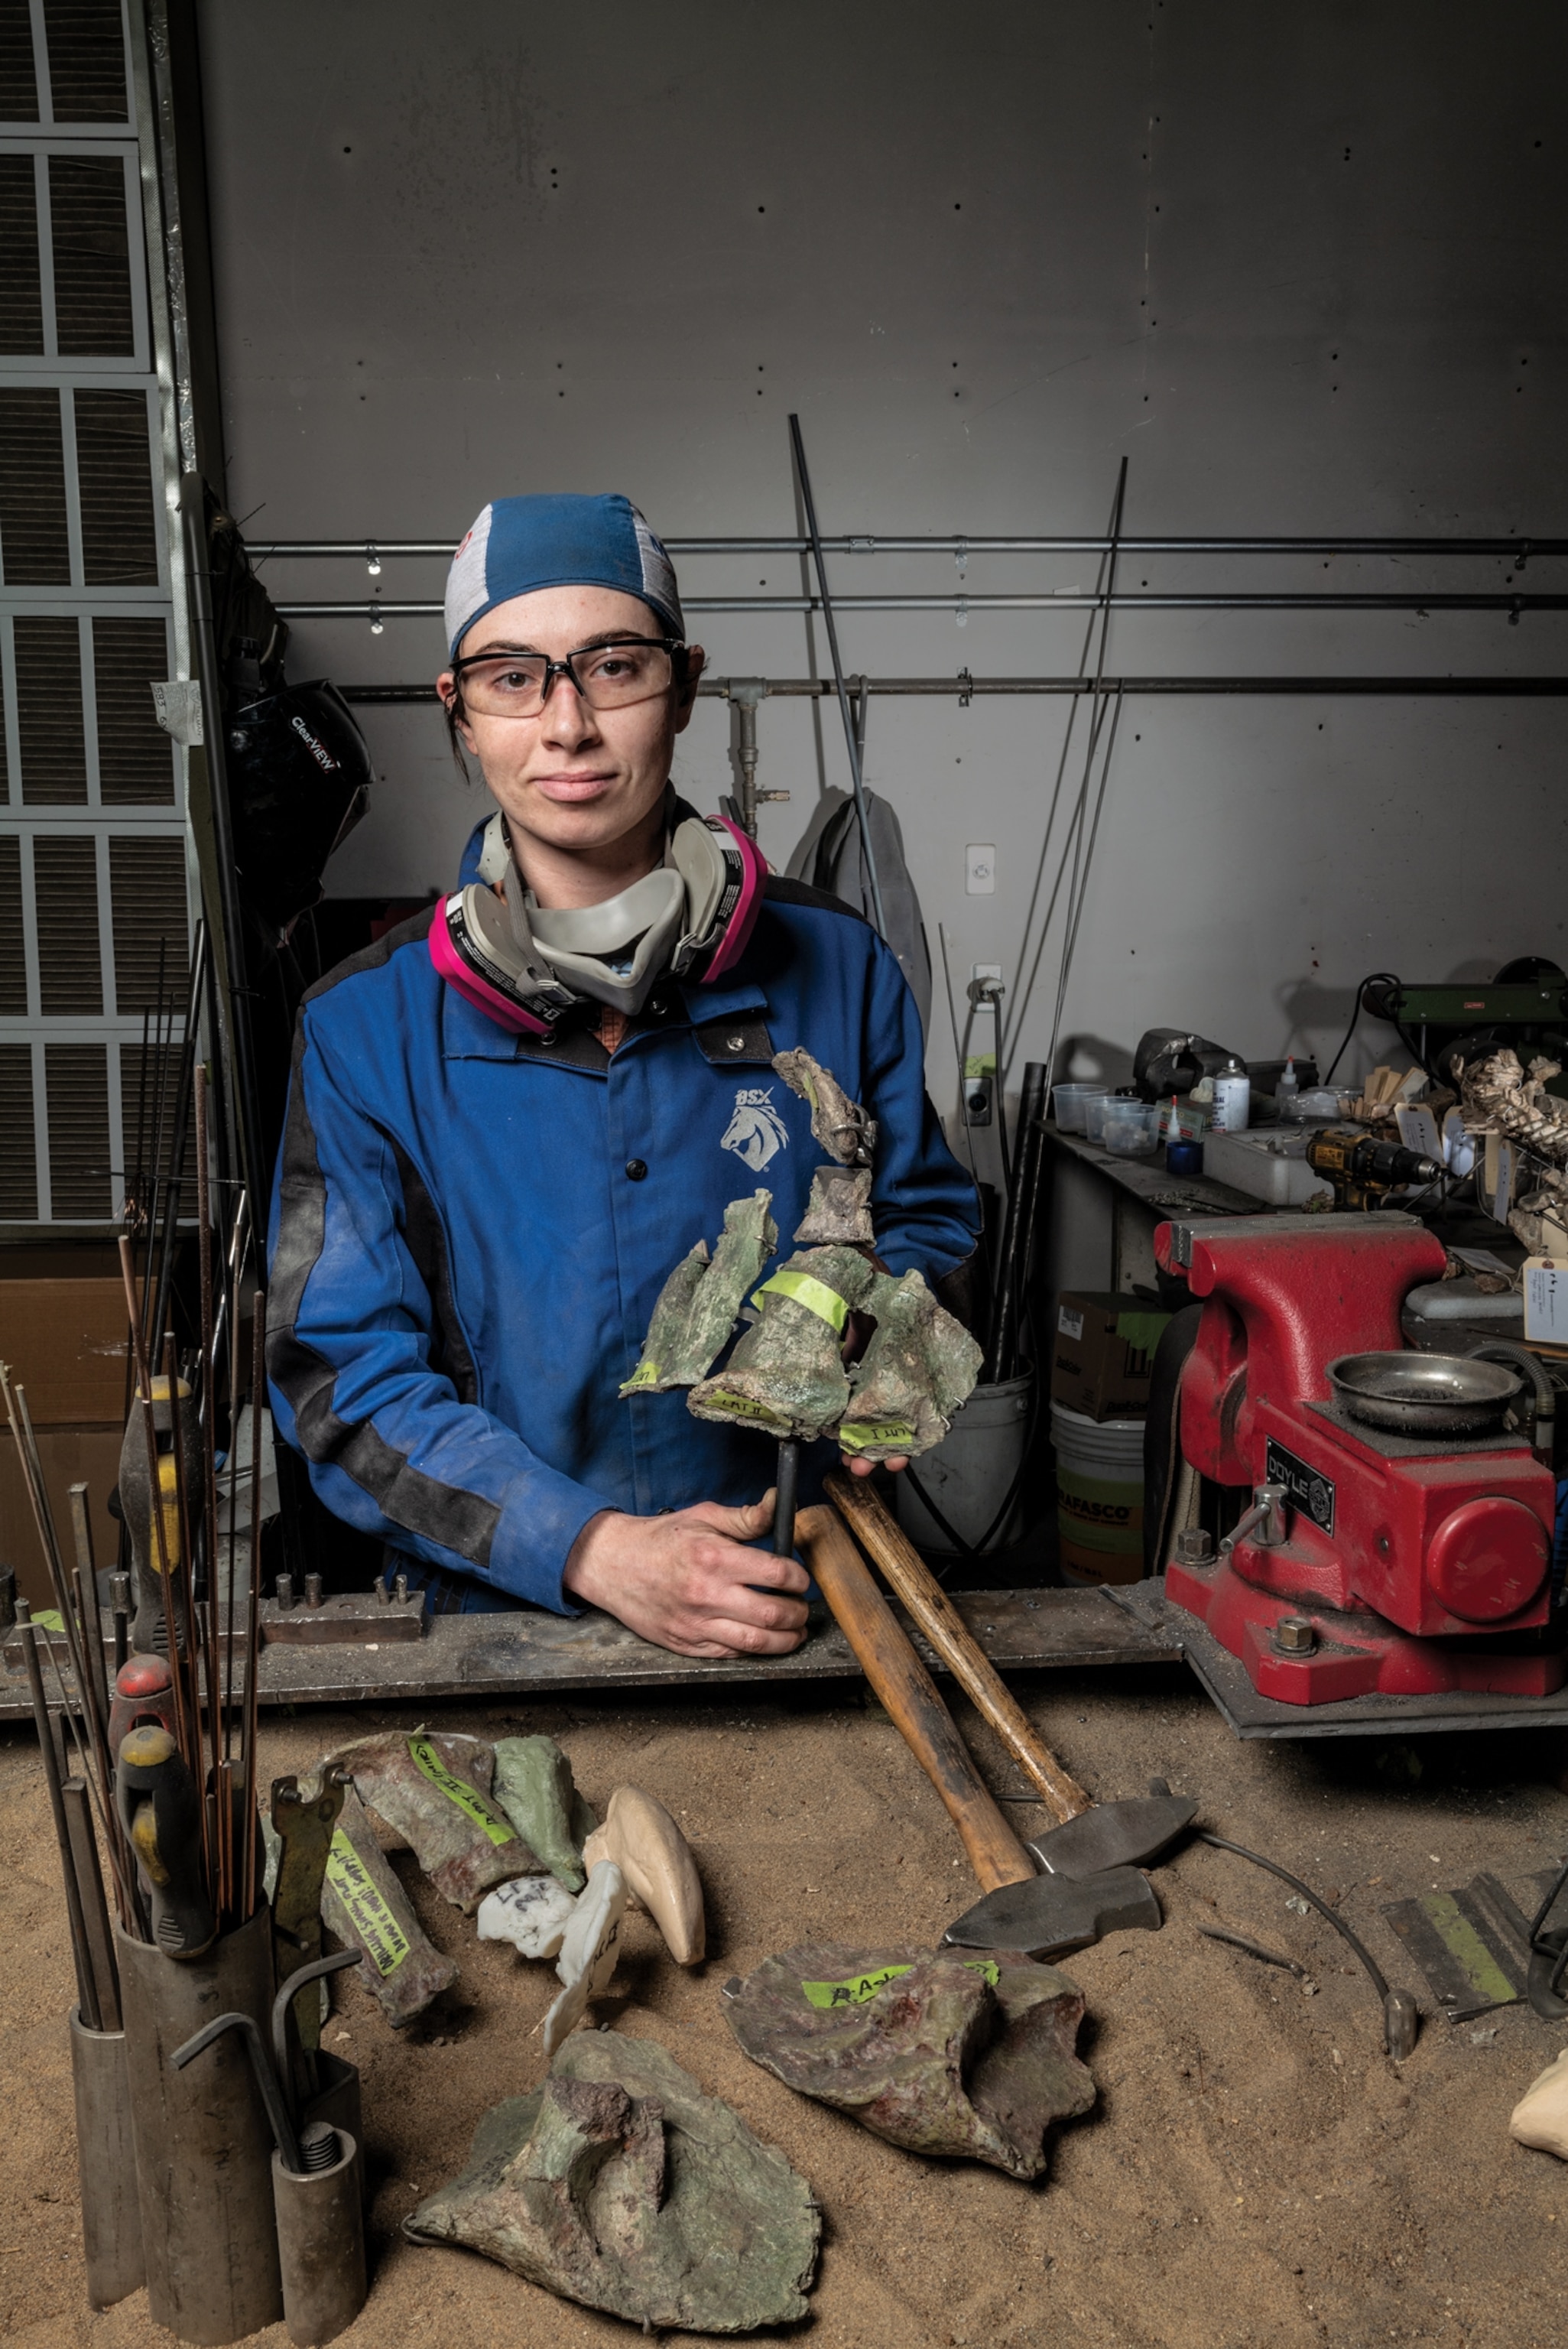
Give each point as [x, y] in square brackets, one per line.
[63, 1333]
[70, 1456]
[1102, 1352]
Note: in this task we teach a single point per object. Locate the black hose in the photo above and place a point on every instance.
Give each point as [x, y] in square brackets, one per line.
[1520, 1358]
[1390, 978]
[1374, 1970]
[1401, 2016]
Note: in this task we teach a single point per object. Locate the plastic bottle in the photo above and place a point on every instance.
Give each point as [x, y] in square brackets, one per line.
[1287, 1089]
[1232, 1099]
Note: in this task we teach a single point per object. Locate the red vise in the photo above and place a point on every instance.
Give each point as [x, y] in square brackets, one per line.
[1398, 1552]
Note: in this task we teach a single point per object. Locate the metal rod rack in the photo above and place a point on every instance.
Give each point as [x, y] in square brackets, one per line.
[959, 602]
[1521, 550]
[1068, 600]
[965, 688]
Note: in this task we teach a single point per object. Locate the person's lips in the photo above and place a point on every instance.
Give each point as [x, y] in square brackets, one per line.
[573, 783]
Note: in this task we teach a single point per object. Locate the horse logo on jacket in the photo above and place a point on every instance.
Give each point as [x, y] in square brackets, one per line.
[756, 1132]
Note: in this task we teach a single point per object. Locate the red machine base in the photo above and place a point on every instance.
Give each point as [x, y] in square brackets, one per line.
[1355, 1655]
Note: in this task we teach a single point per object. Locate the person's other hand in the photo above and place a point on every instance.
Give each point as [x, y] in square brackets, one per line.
[864, 1467]
[686, 1582]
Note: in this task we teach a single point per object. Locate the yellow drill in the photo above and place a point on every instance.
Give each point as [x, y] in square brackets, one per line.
[1364, 1170]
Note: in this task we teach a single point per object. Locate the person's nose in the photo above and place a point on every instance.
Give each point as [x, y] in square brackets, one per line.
[566, 723]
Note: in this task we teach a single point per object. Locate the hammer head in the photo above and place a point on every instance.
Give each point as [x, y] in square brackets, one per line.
[1051, 1915]
[1113, 1835]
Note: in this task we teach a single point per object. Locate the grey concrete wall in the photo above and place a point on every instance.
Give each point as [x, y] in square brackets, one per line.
[1301, 265]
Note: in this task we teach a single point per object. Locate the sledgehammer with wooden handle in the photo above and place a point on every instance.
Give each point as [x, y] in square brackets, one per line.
[1090, 1835]
[904, 1686]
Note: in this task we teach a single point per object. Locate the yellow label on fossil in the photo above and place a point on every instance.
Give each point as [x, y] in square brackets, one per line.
[469, 1799]
[383, 1939]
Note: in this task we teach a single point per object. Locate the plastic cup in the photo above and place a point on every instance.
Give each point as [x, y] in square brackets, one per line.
[1093, 1107]
[1069, 1100]
[1131, 1128]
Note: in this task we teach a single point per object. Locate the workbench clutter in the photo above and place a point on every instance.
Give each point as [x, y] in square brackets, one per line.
[1102, 1360]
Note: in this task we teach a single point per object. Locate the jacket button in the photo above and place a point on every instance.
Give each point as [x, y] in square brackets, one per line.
[636, 1168]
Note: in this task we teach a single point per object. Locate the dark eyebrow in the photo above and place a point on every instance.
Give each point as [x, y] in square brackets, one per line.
[589, 645]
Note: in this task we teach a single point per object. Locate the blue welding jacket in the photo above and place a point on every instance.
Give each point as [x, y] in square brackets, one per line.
[469, 1231]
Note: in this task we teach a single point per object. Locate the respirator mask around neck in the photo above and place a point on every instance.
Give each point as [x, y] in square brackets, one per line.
[527, 966]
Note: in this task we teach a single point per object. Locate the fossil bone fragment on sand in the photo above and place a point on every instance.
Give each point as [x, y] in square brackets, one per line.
[654, 1858]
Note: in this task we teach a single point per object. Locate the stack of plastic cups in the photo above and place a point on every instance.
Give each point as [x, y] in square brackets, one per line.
[1068, 1100]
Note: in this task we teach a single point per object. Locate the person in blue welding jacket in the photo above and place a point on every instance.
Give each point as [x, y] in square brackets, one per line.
[512, 1117]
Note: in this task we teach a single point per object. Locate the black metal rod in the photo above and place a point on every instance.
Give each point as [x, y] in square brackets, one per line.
[824, 603]
[87, 1989]
[198, 564]
[1002, 1352]
[964, 687]
[179, 1137]
[785, 1500]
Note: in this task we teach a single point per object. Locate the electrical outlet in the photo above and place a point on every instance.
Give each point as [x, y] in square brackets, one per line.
[977, 1098]
[984, 971]
[980, 869]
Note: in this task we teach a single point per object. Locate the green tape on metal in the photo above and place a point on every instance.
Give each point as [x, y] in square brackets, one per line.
[814, 1295]
[469, 1799]
[1460, 1938]
[384, 1938]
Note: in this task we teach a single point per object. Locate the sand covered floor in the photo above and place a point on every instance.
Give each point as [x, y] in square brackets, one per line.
[1255, 2172]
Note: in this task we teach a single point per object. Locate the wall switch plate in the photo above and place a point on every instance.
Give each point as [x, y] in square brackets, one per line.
[980, 869]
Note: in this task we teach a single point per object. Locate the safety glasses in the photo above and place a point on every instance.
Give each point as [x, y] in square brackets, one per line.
[608, 677]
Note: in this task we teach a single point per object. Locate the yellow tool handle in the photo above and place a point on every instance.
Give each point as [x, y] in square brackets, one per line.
[908, 1692]
[912, 1580]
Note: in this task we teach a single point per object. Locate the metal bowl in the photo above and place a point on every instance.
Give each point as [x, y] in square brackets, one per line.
[1424, 1394]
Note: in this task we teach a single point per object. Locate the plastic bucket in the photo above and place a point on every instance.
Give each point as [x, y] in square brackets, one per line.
[1100, 1496]
[971, 1471]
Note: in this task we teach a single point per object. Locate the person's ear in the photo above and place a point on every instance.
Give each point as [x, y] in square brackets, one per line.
[685, 692]
[447, 691]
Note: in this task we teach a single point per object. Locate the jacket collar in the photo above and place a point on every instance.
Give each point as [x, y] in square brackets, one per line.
[470, 1034]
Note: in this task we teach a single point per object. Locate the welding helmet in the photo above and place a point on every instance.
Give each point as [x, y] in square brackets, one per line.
[526, 965]
[299, 781]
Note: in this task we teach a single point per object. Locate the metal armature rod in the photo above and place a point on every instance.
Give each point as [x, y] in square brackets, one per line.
[204, 648]
[1520, 550]
[964, 687]
[852, 741]
[1068, 600]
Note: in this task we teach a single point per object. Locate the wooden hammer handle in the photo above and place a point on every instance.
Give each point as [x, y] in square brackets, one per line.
[912, 1580]
[907, 1689]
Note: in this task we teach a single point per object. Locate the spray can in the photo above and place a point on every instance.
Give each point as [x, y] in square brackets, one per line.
[1232, 1099]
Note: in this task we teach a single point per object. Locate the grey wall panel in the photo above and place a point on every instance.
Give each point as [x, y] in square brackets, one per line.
[1300, 264]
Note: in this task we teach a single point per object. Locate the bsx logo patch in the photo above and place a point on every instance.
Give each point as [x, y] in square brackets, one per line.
[756, 1132]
